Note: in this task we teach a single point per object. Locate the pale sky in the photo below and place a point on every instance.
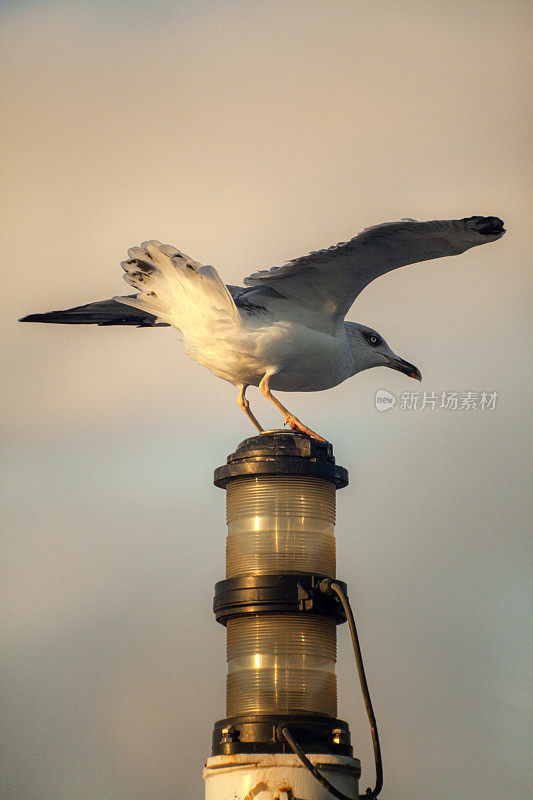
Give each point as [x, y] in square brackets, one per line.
[246, 133]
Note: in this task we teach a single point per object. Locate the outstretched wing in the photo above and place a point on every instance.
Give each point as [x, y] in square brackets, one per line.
[326, 282]
[103, 312]
[115, 312]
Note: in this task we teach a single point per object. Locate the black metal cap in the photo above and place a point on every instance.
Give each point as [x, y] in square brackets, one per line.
[285, 593]
[282, 453]
[258, 733]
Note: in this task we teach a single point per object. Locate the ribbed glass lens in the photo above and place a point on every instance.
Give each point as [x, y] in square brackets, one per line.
[281, 664]
[280, 524]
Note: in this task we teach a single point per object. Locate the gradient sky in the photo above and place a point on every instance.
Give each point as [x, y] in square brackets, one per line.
[246, 133]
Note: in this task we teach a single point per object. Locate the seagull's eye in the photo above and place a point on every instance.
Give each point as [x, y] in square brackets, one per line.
[374, 340]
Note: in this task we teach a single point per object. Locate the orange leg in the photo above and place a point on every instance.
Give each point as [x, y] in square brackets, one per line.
[290, 419]
[245, 405]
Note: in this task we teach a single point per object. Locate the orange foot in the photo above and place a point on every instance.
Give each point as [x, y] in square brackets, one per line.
[295, 425]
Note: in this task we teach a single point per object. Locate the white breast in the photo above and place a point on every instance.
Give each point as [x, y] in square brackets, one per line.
[308, 360]
[299, 358]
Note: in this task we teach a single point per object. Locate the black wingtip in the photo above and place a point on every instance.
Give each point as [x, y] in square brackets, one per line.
[489, 226]
[30, 318]
[50, 316]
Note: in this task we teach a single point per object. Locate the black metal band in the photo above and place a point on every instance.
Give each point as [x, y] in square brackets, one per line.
[258, 733]
[269, 594]
[282, 453]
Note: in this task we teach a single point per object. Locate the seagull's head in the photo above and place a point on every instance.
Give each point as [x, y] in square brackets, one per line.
[369, 349]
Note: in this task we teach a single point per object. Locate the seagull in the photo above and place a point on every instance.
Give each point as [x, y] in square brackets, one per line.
[285, 329]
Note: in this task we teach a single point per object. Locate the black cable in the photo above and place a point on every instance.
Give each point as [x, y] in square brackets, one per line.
[297, 750]
[339, 591]
[327, 586]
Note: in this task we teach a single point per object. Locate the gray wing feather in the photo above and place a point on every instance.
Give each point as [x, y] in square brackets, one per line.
[326, 282]
[248, 299]
[103, 312]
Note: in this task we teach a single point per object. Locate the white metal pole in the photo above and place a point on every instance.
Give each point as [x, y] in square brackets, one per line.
[278, 776]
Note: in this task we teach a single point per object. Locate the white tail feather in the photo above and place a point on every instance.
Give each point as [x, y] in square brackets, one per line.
[181, 292]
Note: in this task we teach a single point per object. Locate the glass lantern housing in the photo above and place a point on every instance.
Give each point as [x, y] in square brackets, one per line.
[281, 663]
